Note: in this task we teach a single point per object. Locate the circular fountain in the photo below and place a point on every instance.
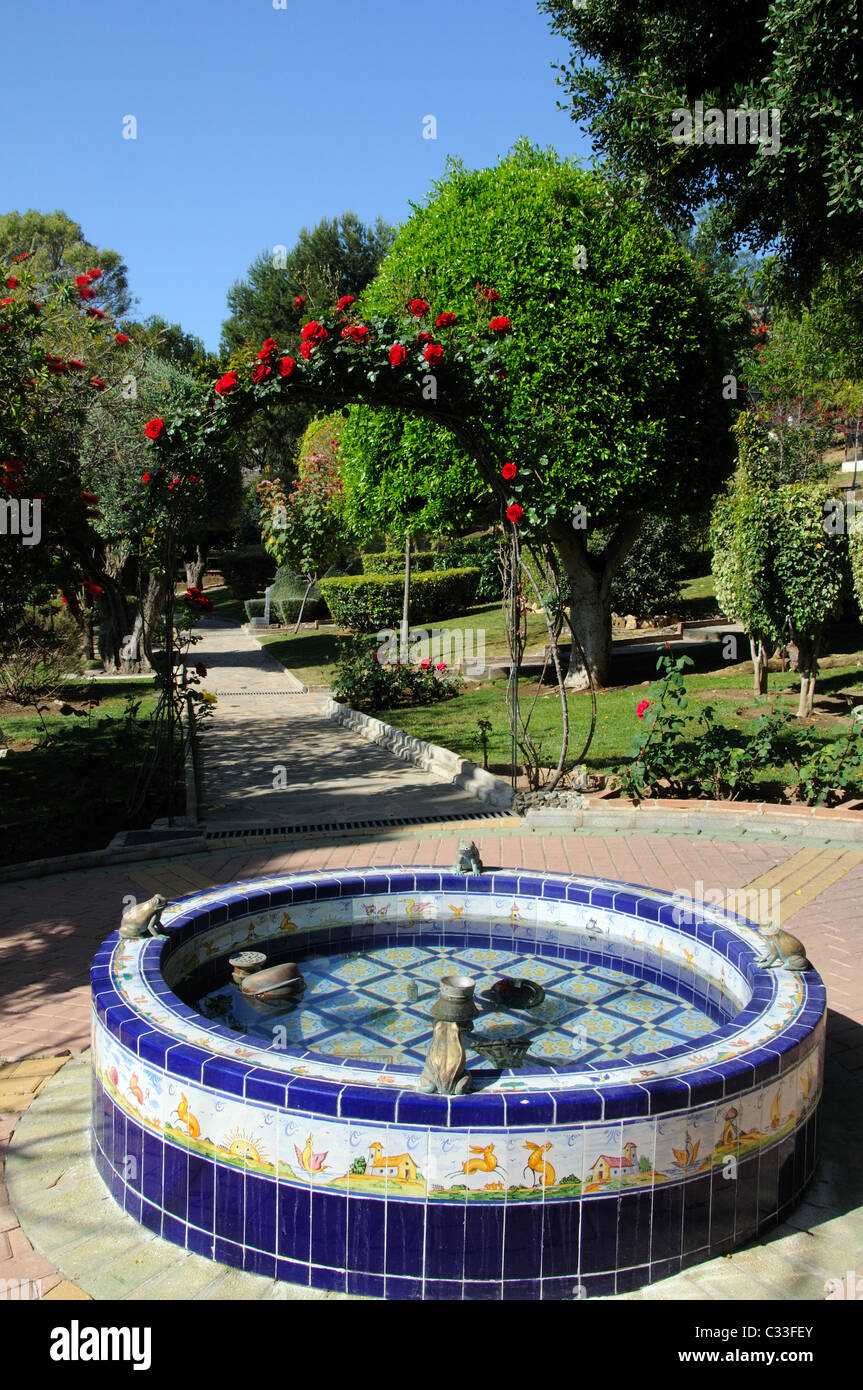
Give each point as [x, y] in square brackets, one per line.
[650, 1102]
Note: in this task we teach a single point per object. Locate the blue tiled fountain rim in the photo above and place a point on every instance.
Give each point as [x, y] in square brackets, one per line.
[349, 1099]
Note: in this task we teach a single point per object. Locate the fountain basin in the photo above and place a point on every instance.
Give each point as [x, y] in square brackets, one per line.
[581, 1171]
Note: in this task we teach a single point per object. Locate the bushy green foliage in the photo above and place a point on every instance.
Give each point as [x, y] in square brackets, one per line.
[648, 582]
[676, 754]
[364, 602]
[482, 551]
[390, 561]
[247, 570]
[365, 683]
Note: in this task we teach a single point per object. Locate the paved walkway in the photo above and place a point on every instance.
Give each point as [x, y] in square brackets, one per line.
[271, 758]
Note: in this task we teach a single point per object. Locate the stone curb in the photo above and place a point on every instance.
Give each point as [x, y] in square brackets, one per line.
[813, 822]
[465, 775]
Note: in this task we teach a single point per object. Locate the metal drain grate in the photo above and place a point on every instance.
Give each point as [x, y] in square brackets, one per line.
[262, 831]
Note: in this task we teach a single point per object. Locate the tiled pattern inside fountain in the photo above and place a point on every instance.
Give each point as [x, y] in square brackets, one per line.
[376, 1005]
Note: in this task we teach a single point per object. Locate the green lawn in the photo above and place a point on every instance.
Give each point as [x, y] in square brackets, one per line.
[453, 724]
[68, 792]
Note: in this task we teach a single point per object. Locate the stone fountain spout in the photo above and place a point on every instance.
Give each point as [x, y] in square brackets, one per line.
[445, 1071]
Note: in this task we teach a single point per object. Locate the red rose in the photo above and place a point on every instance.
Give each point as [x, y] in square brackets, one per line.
[93, 588]
[87, 293]
[491, 296]
[121, 338]
[95, 274]
[226, 383]
[145, 477]
[515, 513]
[13, 467]
[89, 497]
[643, 708]
[13, 282]
[313, 332]
[267, 350]
[261, 372]
[154, 428]
[82, 280]
[96, 313]
[508, 471]
[444, 320]
[397, 354]
[97, 382]
[425, 338]
[306, 351]
[434, 354]
[358, 332]
[418, 307]
[501, 325]
[286, 366]
[200, 668]
[299, 301]
[346, 301]
[76, 363]
[23, 256]
[6, 301]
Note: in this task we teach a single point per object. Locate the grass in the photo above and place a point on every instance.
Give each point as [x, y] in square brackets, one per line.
[68, 793]
[453, 724]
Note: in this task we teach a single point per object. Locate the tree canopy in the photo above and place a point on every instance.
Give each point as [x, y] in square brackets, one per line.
[55, 245]
[633, 66]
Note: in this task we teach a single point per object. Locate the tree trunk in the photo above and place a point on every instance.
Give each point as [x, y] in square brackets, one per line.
[804, 656]
[137, 651]
[760, 656]
[113, 626]
[406, 603]
[589, 578]
[195, 567]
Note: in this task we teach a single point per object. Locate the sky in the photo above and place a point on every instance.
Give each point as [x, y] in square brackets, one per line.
[253, 121]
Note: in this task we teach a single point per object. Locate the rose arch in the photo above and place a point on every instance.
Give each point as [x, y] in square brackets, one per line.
[439, 368]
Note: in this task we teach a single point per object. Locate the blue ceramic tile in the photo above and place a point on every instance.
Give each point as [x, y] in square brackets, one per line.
[746, 1210]
[524, 1237]
[522, 1291]
[329, 1228]
[201, 1192]
[479, 1109]
[483, 1243]
[173, 1230]
[666, 1233]
[151, 1217]
[186, 1061]
[696, 1214]
[633, 1231]
[320, 1097]
[625, 1102]
[230, 1204]
[261, 1208]
[443, 1290]
[405, 1238]
[152, 1158]
[480, 1291]
[414, 1108]
[293, 1272]
[366, 1235]
[269, 1086]
[578, 1107]
[225, 1075]
[294, 1223]
[128, 1151]
[365, 1103]
[336, 1280]
[534, 1109]
[175, 1182]
[723, 1201]
[403, 1290]
[630, 1279]
[445, 1239]
[668, 1093]
[132, 1203]
[228, 1253]
[256, 1262]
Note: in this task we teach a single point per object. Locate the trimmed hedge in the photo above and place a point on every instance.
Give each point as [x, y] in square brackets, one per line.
[367, 603]
[392, 561]
[247, 570]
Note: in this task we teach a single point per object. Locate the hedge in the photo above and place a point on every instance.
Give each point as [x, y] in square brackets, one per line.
[367, 603]
[247, 570]
[393, 561]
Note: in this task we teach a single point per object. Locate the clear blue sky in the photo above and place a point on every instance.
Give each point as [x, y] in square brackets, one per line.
[253, 121]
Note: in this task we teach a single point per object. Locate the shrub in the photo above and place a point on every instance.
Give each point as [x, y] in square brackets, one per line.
[247, 570]
[254, 608]
[481, 551]
[360, 680]
[393, 561]
[366, 603]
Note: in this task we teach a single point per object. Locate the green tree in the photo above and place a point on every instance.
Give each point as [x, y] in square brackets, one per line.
[611, 398]
[336, 257]
[780, 569]
[632, 67]
[56, 245]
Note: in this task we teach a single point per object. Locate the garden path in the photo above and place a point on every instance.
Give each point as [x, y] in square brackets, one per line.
[271, 757]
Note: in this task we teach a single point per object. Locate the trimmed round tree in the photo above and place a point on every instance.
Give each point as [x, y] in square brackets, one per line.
[610, 405]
